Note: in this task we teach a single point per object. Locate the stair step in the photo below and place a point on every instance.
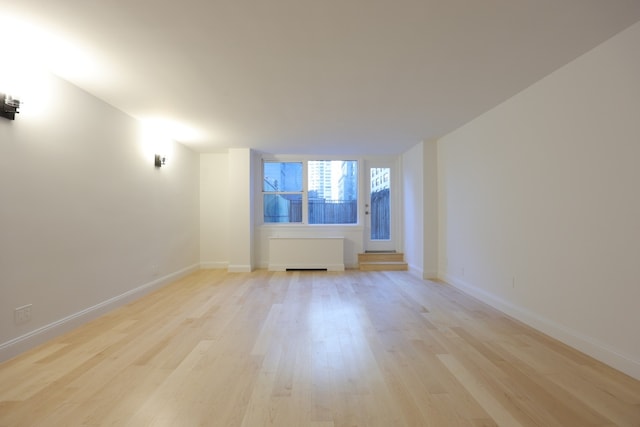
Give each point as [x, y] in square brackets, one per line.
[382, 261]
[381, 257]
[384, 266]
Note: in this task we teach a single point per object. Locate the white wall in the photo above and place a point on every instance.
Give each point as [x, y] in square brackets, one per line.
[431, 211]
[420, 208]
[214, 210]
[86, 221]
[540, 204]
[413, 208]
[241, 246]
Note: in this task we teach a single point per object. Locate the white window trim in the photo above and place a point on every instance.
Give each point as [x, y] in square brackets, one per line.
[259, 209]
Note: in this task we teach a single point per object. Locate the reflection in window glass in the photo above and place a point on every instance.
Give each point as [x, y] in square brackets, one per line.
[380, 204]
[282, 192]
[282, 208]
[282, 176]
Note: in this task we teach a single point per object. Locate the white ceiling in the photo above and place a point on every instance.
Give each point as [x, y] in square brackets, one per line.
[322, 77]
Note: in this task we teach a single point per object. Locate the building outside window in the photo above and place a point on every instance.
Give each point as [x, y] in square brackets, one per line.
[330, 192]
[282, 192]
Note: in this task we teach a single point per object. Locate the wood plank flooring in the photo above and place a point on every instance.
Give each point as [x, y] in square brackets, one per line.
[310, 349]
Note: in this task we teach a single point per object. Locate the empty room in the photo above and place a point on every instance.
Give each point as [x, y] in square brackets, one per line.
[296, 213]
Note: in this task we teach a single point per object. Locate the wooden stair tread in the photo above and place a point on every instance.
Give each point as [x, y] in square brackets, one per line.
[382, 261]
[381, 256]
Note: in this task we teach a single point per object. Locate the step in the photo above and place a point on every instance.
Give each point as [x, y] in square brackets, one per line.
[384, 266]
[380, 257]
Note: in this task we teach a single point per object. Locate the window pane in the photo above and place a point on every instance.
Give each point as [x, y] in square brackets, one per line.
[282, 208]
[333, 191]
[380, 204]
[282, 176]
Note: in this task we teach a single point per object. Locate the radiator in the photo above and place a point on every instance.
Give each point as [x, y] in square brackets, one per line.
[306, 253]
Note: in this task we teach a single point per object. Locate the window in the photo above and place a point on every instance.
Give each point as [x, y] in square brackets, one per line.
[329, 196]
[282, 191]
[333, 191]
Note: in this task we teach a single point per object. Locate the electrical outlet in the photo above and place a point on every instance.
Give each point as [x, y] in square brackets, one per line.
[22, 314]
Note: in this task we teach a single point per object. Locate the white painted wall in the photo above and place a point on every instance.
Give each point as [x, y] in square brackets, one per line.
[540, 204]
[86, 221]
[420, 207]
[413, 183]
[241, 246]
[214, 210]
[430, 208]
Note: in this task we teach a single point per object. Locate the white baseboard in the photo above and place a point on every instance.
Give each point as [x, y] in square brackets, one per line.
[18, 345]
[583, 343]
[214, 265]
[422, 273]
[430, 275]
[416, 271]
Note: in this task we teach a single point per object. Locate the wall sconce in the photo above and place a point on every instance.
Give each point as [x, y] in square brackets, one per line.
[8, 106]
[160, 160]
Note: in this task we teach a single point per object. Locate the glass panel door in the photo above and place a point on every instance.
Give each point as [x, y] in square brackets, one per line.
[378, 209]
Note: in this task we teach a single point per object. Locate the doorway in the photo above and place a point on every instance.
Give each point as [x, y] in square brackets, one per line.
[379, 212]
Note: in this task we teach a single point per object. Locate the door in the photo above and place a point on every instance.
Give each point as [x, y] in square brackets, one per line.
[379, 212]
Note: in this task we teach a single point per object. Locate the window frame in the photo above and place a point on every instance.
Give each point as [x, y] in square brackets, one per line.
[305, 190]
[278, 193]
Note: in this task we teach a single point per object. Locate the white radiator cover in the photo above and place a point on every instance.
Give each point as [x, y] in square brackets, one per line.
[306, 253]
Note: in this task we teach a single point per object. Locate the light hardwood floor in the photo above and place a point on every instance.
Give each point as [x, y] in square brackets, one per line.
[310, 349]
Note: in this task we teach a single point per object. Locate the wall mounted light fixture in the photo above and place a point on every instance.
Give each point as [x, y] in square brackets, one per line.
[160, 160]
[9, 106]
